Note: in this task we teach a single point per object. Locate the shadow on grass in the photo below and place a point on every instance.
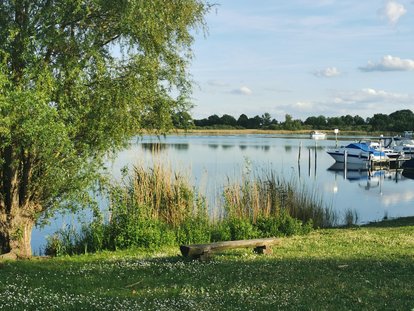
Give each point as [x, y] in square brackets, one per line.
[230, 282]
[392, 223]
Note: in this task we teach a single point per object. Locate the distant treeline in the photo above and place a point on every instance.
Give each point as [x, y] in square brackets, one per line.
[397, 121]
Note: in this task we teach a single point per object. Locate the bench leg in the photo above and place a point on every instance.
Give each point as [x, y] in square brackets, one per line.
[204, 257]
[265, 249]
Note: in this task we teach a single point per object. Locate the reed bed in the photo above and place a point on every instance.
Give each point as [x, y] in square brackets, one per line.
[166, 195]
[265, 195]
[157, 206]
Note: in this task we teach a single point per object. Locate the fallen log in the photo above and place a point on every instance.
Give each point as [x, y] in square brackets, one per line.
[203, 251]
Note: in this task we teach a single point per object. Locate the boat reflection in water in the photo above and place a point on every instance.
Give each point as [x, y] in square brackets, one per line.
[359, 173]
[350, 171]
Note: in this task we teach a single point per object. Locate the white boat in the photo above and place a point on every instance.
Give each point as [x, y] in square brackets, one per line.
[317, 135]
[357, 153]
[383, 146]
[403, 145]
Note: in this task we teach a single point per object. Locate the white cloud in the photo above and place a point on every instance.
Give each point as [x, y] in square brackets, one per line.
[365, 102]
[389, 63]
[244, 90]
[393, 11]
[304, 106]
[327, 72]
[369, 95]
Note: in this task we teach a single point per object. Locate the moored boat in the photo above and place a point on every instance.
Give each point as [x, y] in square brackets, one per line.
[382, 146]
[317, 135]
[357, 153]
[405, 145]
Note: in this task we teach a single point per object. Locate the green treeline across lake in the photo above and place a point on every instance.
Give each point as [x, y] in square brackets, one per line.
[398, 121]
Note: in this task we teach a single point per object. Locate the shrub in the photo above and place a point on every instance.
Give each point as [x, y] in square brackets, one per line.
[240, 228]
[147, 233]
[193, 231]
[269, 227]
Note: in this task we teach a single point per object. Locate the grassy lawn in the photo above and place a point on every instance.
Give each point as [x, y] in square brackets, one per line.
[366, 268]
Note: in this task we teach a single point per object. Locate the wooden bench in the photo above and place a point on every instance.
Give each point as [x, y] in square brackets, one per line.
[204, 251]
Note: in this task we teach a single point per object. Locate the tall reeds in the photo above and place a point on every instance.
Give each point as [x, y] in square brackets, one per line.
[166, 195]
[159, 199]
[265, 194]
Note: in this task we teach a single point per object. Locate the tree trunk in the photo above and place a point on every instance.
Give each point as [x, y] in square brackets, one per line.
[17, 212]
[15, 233]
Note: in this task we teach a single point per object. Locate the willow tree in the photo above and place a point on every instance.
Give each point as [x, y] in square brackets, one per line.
[77, 79]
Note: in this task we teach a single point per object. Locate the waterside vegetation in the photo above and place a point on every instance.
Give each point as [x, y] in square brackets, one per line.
[359, 268]
[395, 122]
[155, 207]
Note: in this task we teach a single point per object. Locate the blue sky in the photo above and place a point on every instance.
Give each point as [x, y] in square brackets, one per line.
[305, 58]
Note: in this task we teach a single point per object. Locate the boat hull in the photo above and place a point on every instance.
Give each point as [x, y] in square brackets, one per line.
[408, 165]
[350, 158]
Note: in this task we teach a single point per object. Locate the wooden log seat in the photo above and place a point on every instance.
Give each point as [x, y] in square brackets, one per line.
[203, 251]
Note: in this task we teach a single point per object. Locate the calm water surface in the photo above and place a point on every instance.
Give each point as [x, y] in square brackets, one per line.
[210, 161]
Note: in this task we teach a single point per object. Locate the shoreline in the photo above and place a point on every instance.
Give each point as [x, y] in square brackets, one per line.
[259, 131]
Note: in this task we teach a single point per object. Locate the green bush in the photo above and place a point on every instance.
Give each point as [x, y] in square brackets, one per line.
[69, 241]
[291, 226]
[220, 231]
[147, 233]
[241, 229]
[269, 227]
[193, 231]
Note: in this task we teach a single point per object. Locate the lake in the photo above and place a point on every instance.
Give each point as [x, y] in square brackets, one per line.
[210, 160]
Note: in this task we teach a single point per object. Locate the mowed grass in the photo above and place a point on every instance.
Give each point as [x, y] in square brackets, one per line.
[364, 268]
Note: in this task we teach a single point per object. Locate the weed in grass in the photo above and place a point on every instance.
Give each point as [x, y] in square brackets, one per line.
[350, 217]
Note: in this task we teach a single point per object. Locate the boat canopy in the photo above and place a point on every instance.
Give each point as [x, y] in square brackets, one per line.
[366, 148]
[361, 146]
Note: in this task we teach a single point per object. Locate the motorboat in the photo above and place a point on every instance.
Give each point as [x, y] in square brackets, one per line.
[357, 153]
[317, 135]
[404, 145]
[383, 146]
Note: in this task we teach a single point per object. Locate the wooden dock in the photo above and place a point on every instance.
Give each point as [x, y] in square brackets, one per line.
[389, 162]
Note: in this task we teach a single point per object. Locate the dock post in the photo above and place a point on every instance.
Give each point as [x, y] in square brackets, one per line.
[316, 157]
[345, 162]
[336, 131]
